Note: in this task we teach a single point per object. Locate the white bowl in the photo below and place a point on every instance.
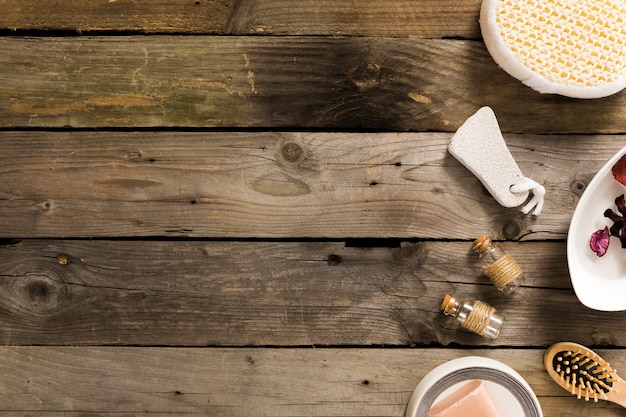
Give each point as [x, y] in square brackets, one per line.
[509, 390]
[599, 282]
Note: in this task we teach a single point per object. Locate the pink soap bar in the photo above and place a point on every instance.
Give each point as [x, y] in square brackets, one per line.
[472, 399]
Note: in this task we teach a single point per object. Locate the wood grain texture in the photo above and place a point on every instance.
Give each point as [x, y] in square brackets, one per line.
[401, 18]
[278, 185]
[197, 219]
[156, 16]
[277, 82]
[395, 18]
[243, 382]
[185, 293]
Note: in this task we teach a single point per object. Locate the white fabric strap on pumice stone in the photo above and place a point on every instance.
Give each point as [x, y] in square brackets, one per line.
[479, 145]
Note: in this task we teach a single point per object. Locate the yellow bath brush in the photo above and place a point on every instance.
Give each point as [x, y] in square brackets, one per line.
[575, 48]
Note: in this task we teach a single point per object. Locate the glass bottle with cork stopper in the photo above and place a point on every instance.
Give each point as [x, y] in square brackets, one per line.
[474, 315]
[498, 265]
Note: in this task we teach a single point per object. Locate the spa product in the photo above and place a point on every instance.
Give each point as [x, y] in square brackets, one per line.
[474, 315]
[511, 393]
[576, 48]
[598, 282]
[498, 265]
[471, 399]
[479, 145]
[584, 373]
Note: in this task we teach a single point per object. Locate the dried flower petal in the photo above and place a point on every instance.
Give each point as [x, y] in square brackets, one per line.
[599, 241]
[619, 170]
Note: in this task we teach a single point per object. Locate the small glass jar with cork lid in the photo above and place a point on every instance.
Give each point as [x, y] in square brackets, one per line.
[474, 315]
[498, 265]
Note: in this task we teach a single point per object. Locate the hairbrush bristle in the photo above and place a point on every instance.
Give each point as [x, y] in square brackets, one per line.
[584, 373]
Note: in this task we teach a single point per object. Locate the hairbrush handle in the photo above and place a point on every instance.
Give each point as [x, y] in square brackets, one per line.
[584, 373]
[619, 397]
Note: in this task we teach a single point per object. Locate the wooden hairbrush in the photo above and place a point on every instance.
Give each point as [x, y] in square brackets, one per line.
[584, 373]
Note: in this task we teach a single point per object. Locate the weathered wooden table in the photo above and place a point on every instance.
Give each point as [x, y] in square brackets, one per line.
[246, 208]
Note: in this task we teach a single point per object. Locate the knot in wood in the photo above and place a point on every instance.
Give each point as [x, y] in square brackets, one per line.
[578, 186]
[292, 152]
[579, 183]
[415, 252]
[46, 206]
[365, 76]
[39, 294]
[333, 260]
[63, 259]
[511, 229]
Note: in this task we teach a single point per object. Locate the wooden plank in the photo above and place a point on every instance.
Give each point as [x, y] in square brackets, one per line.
[234, 382]
[160, 16]
[397, 18]
[196, 293]
[400, 18]
[278, 185]
[274, 82]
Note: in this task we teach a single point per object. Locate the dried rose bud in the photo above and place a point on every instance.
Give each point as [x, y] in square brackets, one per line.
[599, 241]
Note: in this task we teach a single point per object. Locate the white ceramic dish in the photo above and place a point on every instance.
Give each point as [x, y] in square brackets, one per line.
[599, 282]
[510, 391]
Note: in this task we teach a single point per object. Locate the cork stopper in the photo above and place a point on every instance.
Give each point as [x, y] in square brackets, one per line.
[449, 304]
[481, 243]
